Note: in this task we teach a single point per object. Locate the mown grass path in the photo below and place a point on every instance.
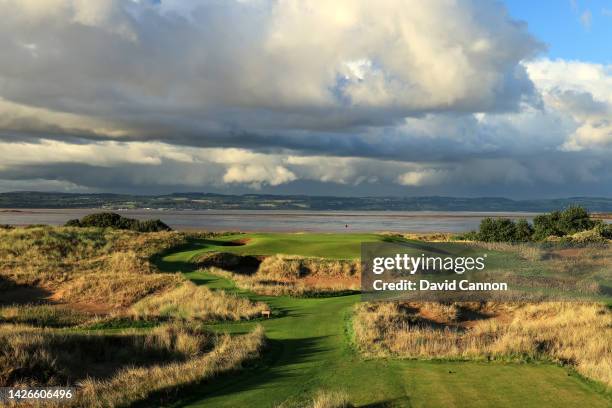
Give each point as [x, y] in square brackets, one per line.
[310, 349]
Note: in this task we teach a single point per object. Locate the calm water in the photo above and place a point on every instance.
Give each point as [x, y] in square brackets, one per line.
[270, 220]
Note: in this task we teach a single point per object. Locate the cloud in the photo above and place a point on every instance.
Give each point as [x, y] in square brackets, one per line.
[229, 95]
[582, 91]
[157, 71]
[586, 19]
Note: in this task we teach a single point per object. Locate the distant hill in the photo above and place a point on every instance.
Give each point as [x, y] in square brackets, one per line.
[200, 201]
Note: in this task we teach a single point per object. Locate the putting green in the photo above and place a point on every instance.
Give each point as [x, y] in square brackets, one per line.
[310, 350]
[333, 246]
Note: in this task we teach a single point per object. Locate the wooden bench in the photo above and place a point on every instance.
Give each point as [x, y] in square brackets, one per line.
[265, 313]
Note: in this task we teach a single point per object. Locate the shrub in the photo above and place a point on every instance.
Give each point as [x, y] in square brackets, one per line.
[523, 231]
[605, 230]
[561, 223]
[75, 222]
[116, 221]
[555, 224]
[497, 230]
[575, 219]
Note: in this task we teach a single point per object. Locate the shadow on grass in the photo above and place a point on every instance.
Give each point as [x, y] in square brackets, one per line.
[178, 266]
[276, 363]
[16, 294]
[397, 402]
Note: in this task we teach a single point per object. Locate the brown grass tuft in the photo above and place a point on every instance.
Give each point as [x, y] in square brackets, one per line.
[330, 399]
[191, 302]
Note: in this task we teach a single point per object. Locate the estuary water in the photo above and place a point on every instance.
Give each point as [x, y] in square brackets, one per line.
[278, 220]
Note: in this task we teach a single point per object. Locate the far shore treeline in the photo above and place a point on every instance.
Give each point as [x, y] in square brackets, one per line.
[571, 224]
[210, 201]
[116, 221]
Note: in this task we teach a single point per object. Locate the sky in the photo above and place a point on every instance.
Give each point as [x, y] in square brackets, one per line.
[351, 97]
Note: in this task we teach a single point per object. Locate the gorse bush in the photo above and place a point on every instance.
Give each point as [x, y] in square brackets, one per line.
[116, 221]
[564, 223]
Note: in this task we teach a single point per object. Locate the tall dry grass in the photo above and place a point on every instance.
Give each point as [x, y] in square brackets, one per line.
[191, 302]
[78, 273]
[115, 290]
[44, 315]
[331, 399]
[37, 356]
[153, 364]
[299, 287]
[136, 384]
[85, 264]
[286, 267]
[578, 334]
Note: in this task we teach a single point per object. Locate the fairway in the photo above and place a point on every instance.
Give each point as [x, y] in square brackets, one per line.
[310, 349]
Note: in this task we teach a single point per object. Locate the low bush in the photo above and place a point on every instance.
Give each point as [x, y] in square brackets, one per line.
[116, 221]
[558, 224]
[503, 230]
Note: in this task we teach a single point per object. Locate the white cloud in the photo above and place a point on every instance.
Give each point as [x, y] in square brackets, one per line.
[582, 91]
[327, 64]
[586, 19]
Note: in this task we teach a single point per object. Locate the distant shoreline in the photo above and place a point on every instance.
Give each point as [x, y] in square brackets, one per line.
[25, 200]
[304, 213]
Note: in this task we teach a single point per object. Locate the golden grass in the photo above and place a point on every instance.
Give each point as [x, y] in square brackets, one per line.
[308, 286]
[191, 302]
[37, 356]
[331, 399]
[115, 289]
[44, 315]
[286, 267]
[170, 356]
[569, 333]
[77, 274]
[135, 384]
[85, 264]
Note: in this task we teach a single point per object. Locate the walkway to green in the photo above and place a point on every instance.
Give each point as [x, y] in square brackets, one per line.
[310, 350]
